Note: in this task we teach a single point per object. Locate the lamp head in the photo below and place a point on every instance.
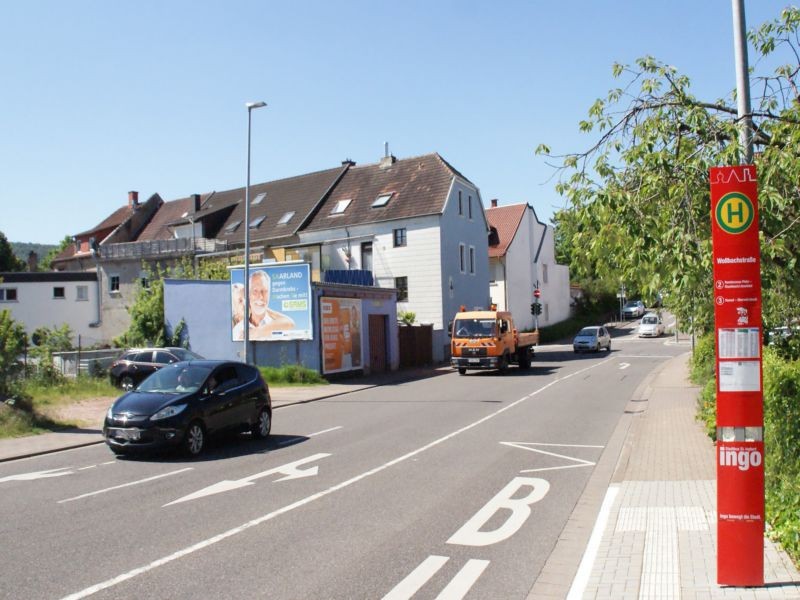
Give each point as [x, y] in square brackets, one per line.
[252, 105]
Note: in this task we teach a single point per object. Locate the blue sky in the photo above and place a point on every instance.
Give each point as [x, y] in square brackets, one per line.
[101, 97]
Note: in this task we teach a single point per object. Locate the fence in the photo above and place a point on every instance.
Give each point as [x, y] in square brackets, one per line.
[84, 362]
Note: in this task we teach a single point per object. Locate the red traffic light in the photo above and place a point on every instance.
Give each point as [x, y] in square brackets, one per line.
[537, 293]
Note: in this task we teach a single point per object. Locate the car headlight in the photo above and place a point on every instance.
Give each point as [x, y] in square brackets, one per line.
[167, 412]
[110, 413]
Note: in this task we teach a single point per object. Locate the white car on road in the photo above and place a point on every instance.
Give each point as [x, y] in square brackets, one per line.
[651, 325]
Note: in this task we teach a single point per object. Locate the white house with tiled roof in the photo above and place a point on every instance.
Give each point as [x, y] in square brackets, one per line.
[419, 226]
[522, 259]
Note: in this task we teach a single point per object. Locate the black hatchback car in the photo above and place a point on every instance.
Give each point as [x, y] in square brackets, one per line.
[135, 364]
[181, 404]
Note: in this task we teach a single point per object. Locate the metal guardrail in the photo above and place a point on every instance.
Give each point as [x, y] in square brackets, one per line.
[84, 362]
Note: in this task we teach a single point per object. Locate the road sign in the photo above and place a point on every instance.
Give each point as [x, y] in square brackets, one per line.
[740, 400]
[537, 292]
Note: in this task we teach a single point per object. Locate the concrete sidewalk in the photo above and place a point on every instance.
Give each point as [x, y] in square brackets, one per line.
[655, 536]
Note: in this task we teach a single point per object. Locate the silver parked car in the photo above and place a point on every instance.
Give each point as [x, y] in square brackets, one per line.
[633, 309]
[592, 338]
[651, 325]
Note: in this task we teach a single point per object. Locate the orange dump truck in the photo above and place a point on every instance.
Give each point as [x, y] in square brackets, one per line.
[487, 339]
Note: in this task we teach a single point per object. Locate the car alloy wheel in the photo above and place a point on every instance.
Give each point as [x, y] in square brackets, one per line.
[195, 438]
[262, 425]
[126, 383]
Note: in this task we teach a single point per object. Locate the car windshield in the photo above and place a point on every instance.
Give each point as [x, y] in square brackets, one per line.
[186, 354]
[175, 379]
[590, 331]
[474, 327]
[631, 304]
[650, 320]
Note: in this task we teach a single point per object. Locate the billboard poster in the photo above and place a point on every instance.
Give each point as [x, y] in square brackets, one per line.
[279, 304]
[340, 320]
[740, 414]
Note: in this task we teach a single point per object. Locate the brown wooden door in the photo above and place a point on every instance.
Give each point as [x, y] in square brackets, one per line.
[377, 343]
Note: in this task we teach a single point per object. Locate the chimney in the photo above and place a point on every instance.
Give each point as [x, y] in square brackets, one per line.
[388, 160]
[196, 202]
[348, 161]
[494, 202]
[133, 200]
[33, 261]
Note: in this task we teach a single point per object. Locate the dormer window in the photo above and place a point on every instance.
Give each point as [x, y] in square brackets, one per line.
[341, 206]
[233, 226]
[286, 218]
[257, 221]
[258, 199]
[382, 200]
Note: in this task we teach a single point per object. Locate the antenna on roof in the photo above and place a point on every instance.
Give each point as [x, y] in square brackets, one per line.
[386, 149]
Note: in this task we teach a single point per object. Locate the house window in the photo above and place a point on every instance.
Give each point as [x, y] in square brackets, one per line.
[286, 218]
[257, 221]
[382, 200]
[544, 273]
[83, 293]
[472, 260]
[399, 237]
[8, 294]
[258, 199]
[401, 283]
[232, 227]
[469, 206]
[59, 293]
[460, 204]
[113, 284]
[461, 258]
[341, 206]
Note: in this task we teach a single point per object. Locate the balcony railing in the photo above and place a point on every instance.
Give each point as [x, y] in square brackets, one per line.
[156, 248]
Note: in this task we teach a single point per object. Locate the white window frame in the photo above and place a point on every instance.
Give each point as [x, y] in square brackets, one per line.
[258, 199]
[256, 223]
[82, 293]
[4, 295]
[111, 278]
[462, 258]
[287, 216]
[340, 207]
[472, 260]
[469, 207]
[382, 200]
[460, 204]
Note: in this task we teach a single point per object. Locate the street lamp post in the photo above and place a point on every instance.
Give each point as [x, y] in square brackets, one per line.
[246, 329]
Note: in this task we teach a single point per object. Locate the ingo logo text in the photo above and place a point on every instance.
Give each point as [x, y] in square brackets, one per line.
[741, 458]
[735, 213]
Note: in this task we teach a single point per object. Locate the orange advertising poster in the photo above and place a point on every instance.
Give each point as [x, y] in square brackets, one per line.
[340, 320]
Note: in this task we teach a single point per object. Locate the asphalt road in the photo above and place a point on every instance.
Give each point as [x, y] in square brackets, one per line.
[452, 485]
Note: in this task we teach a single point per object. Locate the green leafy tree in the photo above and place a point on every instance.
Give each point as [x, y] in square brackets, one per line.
[46, 262]
[12, 344]
[639, 203]
[8, 260]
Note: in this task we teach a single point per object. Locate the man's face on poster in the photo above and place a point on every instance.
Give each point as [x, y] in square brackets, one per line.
[259, 296]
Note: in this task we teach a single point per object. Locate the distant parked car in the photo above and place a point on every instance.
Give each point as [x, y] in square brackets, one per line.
[181, 404]
[633, 309]
[651, 325]
[592, 338]
[134, 365]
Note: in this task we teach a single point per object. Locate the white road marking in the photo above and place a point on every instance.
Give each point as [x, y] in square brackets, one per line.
[526, 446]
[623, 366]
[124, 485]
[585, 568]
[464, 580]
[299, 438]
[38, 475]
[417, 578]
[308, 499]
[290, 470]
[87, 468]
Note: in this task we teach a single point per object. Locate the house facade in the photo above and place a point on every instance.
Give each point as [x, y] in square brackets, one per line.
[54, 299]
[521, 260]
[418, 226]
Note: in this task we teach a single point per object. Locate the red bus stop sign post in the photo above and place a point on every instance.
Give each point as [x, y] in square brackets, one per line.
[740, 400]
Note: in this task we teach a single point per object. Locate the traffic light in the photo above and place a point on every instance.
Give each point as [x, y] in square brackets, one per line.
[533, 308]
[536, 308]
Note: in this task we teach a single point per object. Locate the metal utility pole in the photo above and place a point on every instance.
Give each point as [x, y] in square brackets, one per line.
[742, 82]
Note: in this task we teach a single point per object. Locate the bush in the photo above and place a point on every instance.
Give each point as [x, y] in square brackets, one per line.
[291, 374]
[703, 361]
[12, 343]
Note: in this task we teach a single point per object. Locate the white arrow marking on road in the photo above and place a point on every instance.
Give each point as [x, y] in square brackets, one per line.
[38, 475]
[624, 365]
[526, 446]
[290, 471]
[124, 485]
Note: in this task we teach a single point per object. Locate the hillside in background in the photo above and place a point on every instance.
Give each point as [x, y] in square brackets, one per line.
[22, 249]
